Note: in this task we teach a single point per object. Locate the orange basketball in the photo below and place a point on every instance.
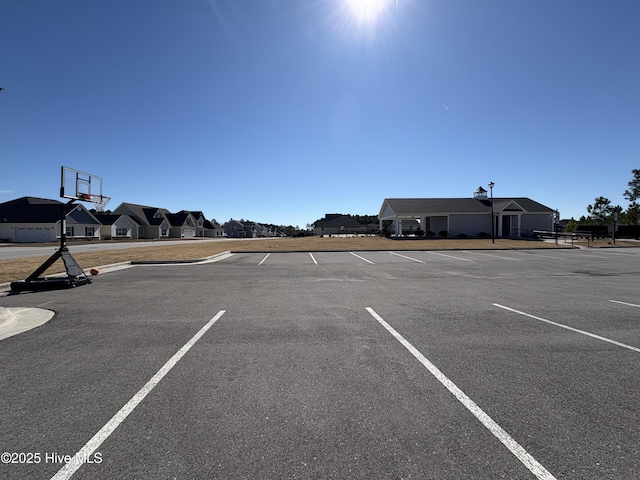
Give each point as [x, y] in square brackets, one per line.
[94, 271]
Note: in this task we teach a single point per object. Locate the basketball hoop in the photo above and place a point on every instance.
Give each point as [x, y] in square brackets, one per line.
[99, 201]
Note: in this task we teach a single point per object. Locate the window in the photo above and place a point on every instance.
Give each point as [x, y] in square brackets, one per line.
[69, 232]
[89, 231]
[121, 232]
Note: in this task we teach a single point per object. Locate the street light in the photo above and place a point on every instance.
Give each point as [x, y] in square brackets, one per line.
[493, 230]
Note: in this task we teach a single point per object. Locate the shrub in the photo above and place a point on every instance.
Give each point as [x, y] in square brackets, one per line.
[482, 235]
[443, 233]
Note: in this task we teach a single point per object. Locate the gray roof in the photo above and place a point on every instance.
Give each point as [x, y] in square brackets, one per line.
[111, 218]
[142, 214]
[444, 206]
[30, 210]
[42, 210]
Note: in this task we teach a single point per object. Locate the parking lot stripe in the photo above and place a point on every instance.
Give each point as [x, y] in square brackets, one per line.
[450, 256]
[404, 256]
[526, 252]
[622, 254]
[495, 256]
[362, 258]
[313, 258]
[514, 447]
[625, 303]
[262, 261]
[85, 452]
[567, 327]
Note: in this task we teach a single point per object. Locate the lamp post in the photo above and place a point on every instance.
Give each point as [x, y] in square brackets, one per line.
[493, 230]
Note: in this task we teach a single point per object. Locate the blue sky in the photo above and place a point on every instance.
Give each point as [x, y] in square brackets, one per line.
[280, 111]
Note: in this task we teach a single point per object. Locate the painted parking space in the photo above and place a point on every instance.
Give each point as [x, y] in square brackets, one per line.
[422, 257]
[299, 379]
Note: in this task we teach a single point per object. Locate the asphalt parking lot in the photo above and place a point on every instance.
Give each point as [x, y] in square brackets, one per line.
[461, 365]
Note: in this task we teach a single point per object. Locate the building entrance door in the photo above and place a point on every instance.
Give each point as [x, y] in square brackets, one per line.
[506, 226]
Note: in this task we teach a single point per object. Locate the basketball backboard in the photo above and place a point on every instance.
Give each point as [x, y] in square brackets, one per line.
[76, 185]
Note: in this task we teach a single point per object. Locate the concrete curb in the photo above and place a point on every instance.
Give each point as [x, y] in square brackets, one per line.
[196, 261]
[114, 267]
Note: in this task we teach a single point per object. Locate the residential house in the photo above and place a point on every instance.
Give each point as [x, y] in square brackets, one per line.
[340, 224]
[200, 222]
[213, 229]
[512, 217]
[237, 229]
[240, 229]
[183, 224]
[152, 221]
[117, 226]
[32, 219]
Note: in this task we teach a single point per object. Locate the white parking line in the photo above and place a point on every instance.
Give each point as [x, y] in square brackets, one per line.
[313, 258]
[514, 447]
[618, 254]
[362, 258]
[495, 256]
[594, 254]
[262, 261]
[450, 256]
[92, 445]
[625, 303]
[404, 256]
[540, 255]
[589, 334]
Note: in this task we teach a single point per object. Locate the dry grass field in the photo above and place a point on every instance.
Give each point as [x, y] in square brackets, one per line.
[19, 269]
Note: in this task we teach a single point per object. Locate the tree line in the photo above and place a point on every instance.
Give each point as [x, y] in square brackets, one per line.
[603, 212]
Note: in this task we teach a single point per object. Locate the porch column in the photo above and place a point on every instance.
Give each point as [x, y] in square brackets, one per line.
[423, 225]
[519, 222]
[499, 223]
[399, 227]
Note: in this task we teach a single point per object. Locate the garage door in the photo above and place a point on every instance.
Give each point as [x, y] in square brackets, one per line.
[33, 235]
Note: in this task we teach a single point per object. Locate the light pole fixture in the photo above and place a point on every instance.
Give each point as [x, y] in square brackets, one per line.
[493, 230]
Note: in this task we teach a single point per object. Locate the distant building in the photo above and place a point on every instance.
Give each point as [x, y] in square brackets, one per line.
[241, 229]
[513, 217]
[340, 224]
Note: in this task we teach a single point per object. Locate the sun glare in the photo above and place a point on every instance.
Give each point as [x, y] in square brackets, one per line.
[366, 11]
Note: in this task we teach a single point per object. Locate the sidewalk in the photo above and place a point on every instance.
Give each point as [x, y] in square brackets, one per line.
[17, 320]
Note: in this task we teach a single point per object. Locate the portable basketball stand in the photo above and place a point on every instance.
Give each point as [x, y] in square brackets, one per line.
[75, 274]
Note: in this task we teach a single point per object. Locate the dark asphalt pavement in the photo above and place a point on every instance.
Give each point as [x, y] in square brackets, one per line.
[296, 379]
